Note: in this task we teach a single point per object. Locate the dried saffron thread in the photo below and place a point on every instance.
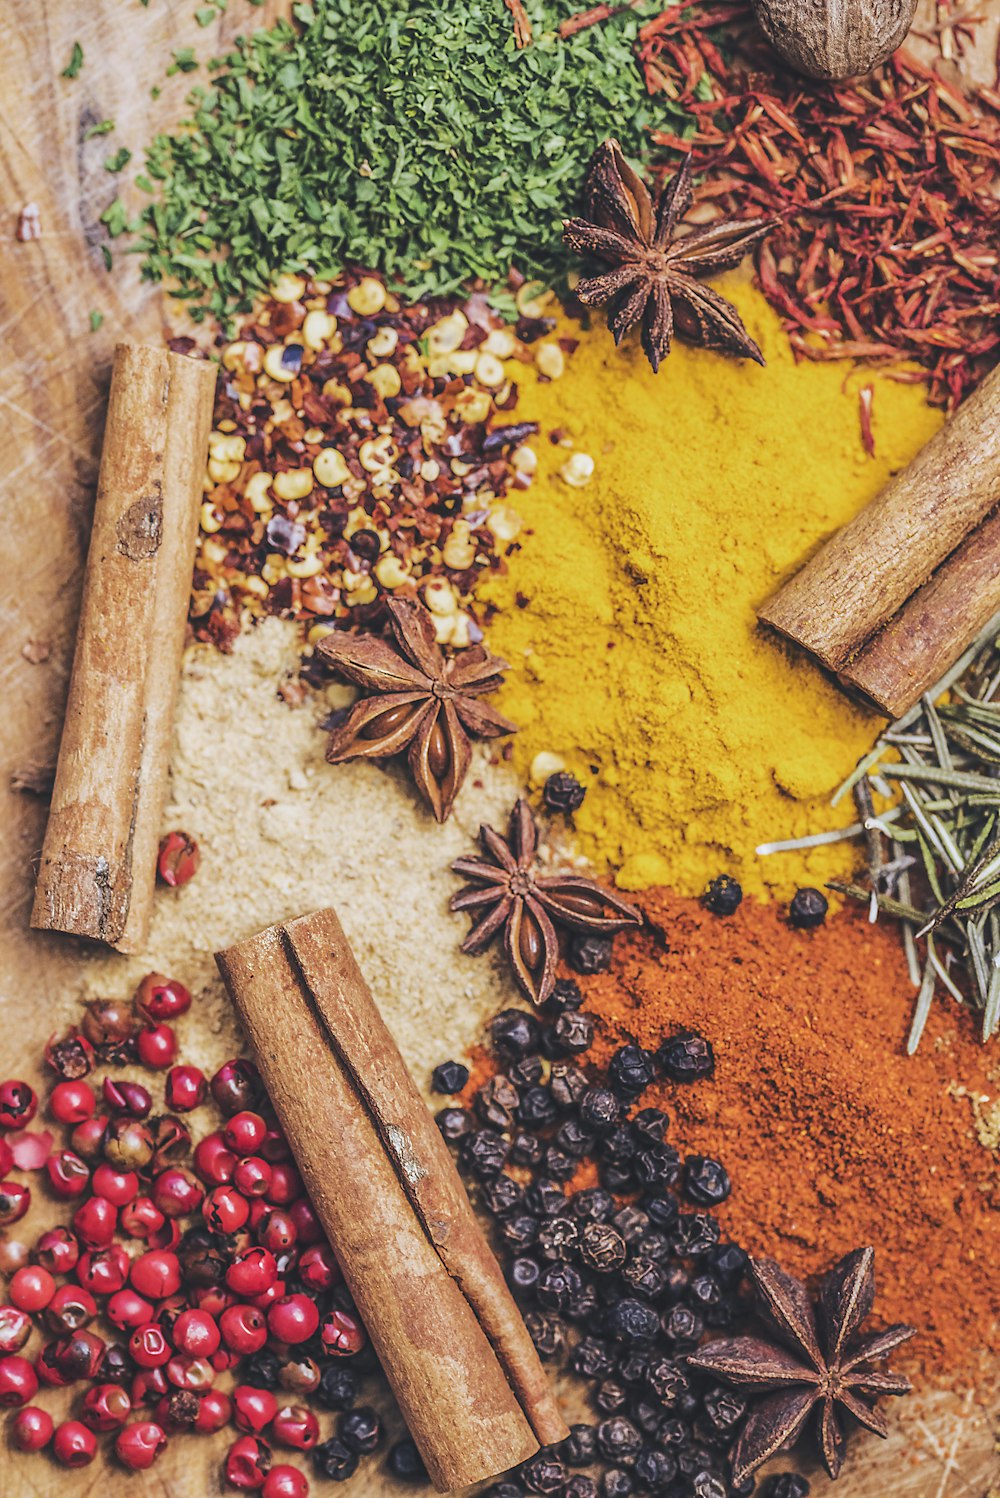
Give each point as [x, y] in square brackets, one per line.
[903, 261]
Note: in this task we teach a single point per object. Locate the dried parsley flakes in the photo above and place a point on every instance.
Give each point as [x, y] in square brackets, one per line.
[417, 140]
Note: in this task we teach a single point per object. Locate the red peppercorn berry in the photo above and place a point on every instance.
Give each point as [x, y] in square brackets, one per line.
[15, 1199]
[149, 1347]
[296, 1426]
[128, 1144]
[77, 1356]
[141, 1218]
[158, 998]
[15, 1329]
[73, 1445]
[191, 1374]
[248, 1463]
[286, 1184]
[196, 1333]
[307, 1224]
[214, 1412]
[148, 1386]
[105, 1407]
[88, 1137]
[31, 1428]
[69, 1176]
[244, 1329]
[293, 1319]
[127, 1310]
[157, 1047]
[252, 1176]
[138, 1445]
[274, 1146]
[252, 1272]
[31, 1288]
[285, 1482]
[342, 1334]
[236, 1086]
[214, 1161]
[72, 1102]
[102, 1271]
[318, 1269]
[253, 1409]
[6, 1157]
[57, 1251]
[244, 1132]
[70, 1309]
[70, 1057]
[119, 1186]
[18, 1104]
[126, 1099]
[18, 1380]
[186, 1088]
[176, 1192]
[225, 1210]
[177, 860]
[94, 1222]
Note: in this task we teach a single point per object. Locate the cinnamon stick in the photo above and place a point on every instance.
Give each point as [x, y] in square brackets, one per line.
[440, 1316]
[917, 646]
[98, 864]
[869, 570]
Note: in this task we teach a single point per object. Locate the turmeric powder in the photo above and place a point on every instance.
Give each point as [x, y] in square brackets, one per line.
[627, 612]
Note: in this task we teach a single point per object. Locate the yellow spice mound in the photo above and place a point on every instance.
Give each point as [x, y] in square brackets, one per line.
[637, 657]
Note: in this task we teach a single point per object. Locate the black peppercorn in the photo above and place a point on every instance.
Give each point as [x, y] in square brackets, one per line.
[616, 1483]
[563, 792]
[544, 1474]
[567, 1085]
[644, 1278]
[573, 1032]
[705, 1180]
[631, 1222]
[454, 1123]
[654, 1245]
[618, 1440]
[507, 1488]
[600, 1109]
[808, 909]
[667, 1380]
[546, 1332]
[527, 1072]
[630, 1070]
[584, 1306]
[502, 1195]
[544, 1198]
[338, 1387]
[708, 1484]
[526, 1149]
[618, 1145]
[557, 1284]
[724, 1409]
[682, 1326]
[631, 1320]
[655, 1470]
[580, 1485]
[261, 1369]
[593, 1204]
[497, 1101]
[704, 1292]
[514, 1033]
[574, 1139]
[592, 1358]
[334, 1460]
[661, 1210]
[558, 1164]
[657, 1165]
[406, 1463]
[722, 895]
[588, 954]
[523, 1274]
[565, 995]
[558, 1239]
[611, 1396]
[360, 1430]
[519, 1232]
[579, 1447]
[536, 1108]
[785, 1485]
[729, 1263]
[652, 1124]
[449, 1077]
[686, 1056]
[602, 1247]
[485, 1153]
[695, 1233]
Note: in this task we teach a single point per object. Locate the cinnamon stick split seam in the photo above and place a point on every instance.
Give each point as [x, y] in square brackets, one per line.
[439, 1313]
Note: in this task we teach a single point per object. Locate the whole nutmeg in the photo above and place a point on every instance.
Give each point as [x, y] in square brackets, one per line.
[834, 38]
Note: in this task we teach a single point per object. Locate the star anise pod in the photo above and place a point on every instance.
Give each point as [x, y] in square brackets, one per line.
[418, 701]
[815, 1362]
[509, 893]
[654, 271]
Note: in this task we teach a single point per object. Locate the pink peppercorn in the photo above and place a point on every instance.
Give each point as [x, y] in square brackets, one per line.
[126, 1309]
[88, 1137]
[141, 1218]
[225, 1210]
[102, 1271]
[285, 1482]
[293, 1319]
[6, 1157]
[69, 1176]
[342, 1334]
[214, 1412]
[191, 1374]
[252, 1272]
[94, 1222]
[177, 860]
[31, 1428]
[248, 1463]
[73, 1445]
[128, 1099]
[186, 1088]
[15, 1329]
[214, 1160]
[253, 1409]
[77, 1356]
[31, 1288]
[57, 1251]
[138, 1445]
[119, 1186]
[244, 1132]
[70, 1309]
[72, 1102]
[149, 1347]
[195, 1333]
[307, 1224]
[15, 1199]
[18, 1104]
[18, 1380]
[106, 1407]
[148, 1386]
[285, 1186]
[252, 1176]
[318, 1269]
[296, 1426]
[244, 1329]
[176, 1192]
[276, 1231]
[158, 998]
[157, 1047]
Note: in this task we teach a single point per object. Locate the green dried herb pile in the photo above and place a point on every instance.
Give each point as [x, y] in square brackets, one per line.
[418, 140]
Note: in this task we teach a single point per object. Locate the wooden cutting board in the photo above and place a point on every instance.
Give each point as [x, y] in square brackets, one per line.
[53, 382]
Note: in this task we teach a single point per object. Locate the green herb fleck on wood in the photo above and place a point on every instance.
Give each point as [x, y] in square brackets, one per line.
[119, 160]
[103, 127]
[72, 68]
[96, 318]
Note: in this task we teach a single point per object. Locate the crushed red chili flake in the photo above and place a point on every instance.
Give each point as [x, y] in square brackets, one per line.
[887, 187]
[363, 447]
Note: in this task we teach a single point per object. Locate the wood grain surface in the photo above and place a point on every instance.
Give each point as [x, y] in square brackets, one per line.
[53, 383]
